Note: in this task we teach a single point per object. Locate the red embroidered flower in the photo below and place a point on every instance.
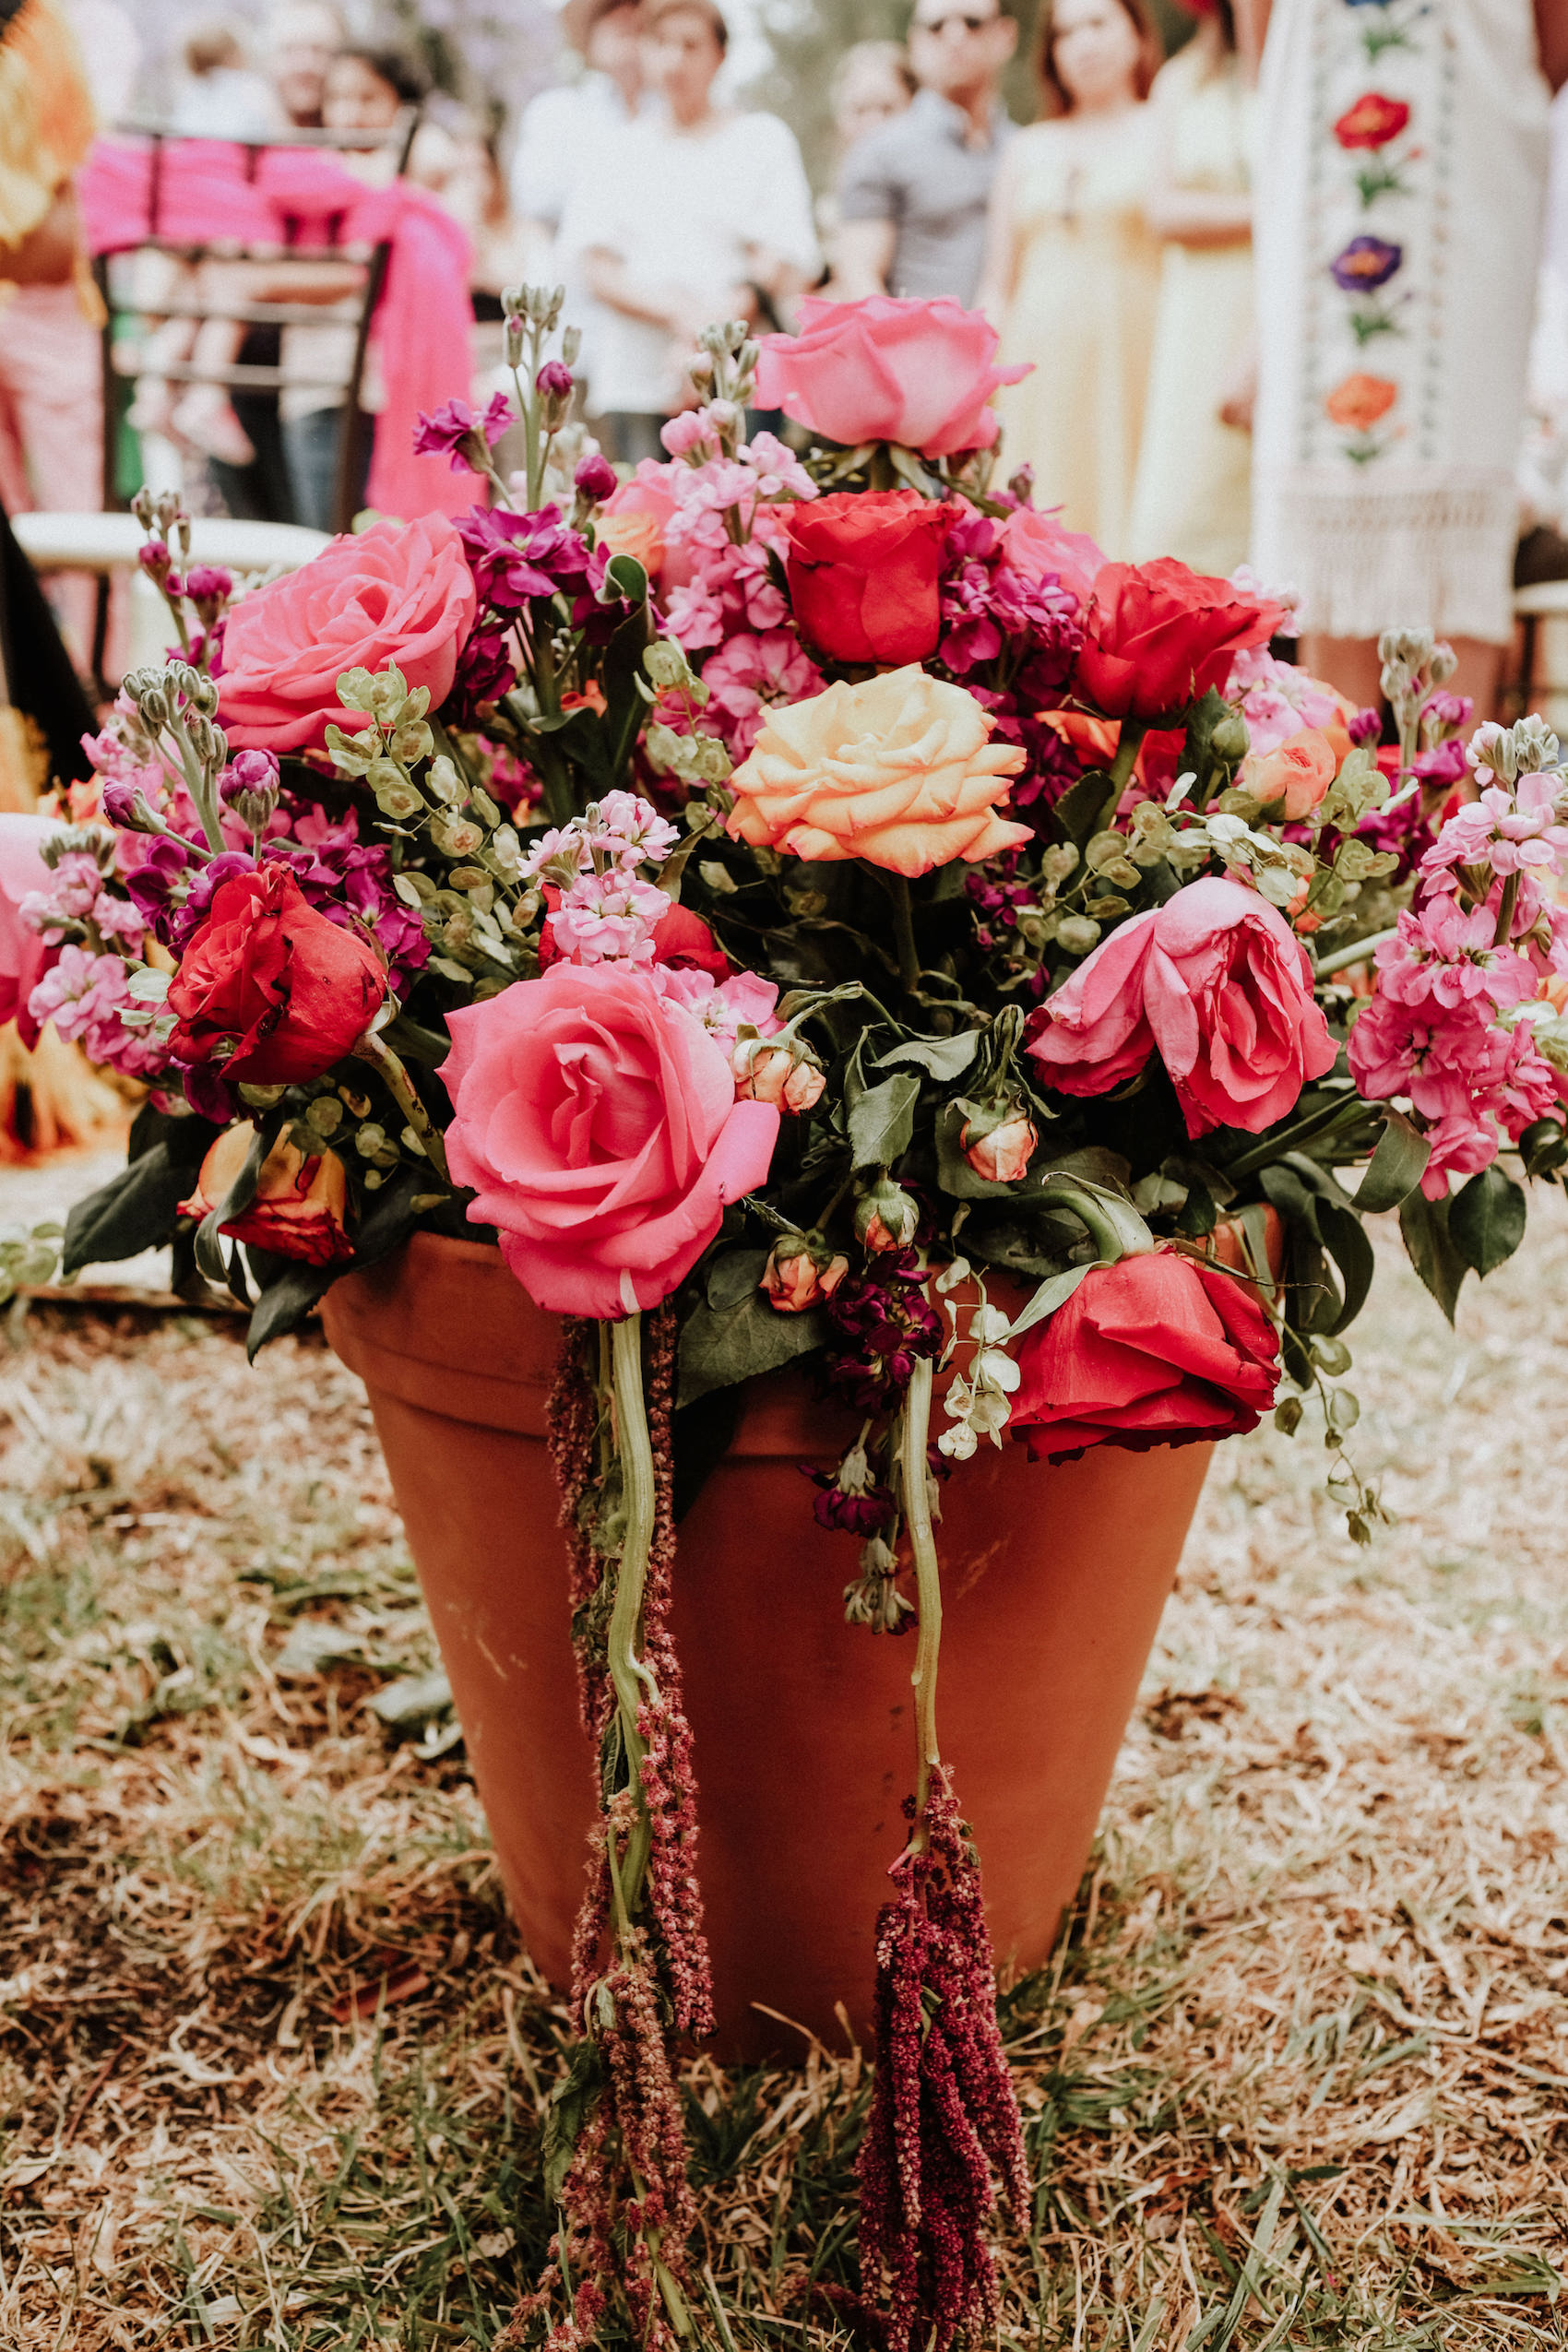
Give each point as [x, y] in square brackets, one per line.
[1373, 121]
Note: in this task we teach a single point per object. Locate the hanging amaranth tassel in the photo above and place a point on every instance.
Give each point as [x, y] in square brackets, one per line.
[614, 2142]
[943, 2121]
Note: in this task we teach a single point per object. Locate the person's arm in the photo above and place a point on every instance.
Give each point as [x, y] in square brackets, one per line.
[782, 254]
[1198, 216]
[867, 237]
[1552, 40]
[676, 309]
[999, 272]
[47, 255]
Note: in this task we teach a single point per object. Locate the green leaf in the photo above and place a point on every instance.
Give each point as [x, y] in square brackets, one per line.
[625, 577]
[571, 2103]
[1345, 1238]
[132, 1213]
[732, 1277]
[720, 1346]
[1397, 1166]
[1084, 806]
[1424, 1225]
[1050, 1296]
[1485, 1219]
[943, 1058]
[882, 1124]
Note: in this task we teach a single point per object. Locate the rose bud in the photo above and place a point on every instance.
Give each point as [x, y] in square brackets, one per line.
[126, 805]
[766, 1072]
[299, 1205]
[801, 1271]
[1000, 1145]
[887, 1218]
[268, 988]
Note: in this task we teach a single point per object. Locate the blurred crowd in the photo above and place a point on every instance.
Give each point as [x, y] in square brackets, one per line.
[1329, 417]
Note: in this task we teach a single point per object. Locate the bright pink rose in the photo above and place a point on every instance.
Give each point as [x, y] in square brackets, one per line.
[1034, 544]
[1215, 983]
[598, 1124]
[917, 373]
[401, 592]
[22, 951]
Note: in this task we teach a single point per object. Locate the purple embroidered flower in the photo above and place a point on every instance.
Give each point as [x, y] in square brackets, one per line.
[1364, 264]
[454, 432]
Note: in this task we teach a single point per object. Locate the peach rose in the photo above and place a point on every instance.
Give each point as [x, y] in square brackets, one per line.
[1296, 774]
[899, 770]
[299, 1206]
[400, 592]
[921, 373]
[635, 532]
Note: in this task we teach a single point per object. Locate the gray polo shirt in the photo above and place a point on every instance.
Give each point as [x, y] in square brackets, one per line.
[919, 172]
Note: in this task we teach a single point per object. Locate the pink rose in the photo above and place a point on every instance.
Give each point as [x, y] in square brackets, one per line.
[598, 1125]
[1034, 544]
[917, 373]
[22, 871]
[401, 592]
[1215, 983]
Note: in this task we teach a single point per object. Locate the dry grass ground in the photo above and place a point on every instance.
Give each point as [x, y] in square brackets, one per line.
[270, 2059]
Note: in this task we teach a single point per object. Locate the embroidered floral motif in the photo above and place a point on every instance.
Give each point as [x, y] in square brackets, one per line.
[1371, 122]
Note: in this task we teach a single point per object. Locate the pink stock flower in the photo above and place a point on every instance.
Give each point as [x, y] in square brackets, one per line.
[1464, 1075]
[608, 917]
[921, 373]
[1512, 831]
[747, 677]
[1218, 984]
[597, 1123]
[1442, 953]
[693, 430]
[1278, 699]
[82, 994]
[724, 1007]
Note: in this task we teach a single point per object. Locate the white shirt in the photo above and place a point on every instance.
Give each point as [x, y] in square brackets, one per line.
[560, 138]
[687, 210]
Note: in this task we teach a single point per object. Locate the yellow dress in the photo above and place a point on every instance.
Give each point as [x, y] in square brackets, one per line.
[1083, 310]
[1193, 497]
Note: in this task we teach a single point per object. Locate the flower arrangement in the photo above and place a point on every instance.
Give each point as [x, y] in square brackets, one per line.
[811, 910]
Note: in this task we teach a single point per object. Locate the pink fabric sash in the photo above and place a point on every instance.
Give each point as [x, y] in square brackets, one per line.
[302, 199]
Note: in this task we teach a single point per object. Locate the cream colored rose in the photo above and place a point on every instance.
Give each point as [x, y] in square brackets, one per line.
[901, 771]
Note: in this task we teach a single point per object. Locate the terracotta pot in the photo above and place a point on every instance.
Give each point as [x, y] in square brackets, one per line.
[1054, 1580]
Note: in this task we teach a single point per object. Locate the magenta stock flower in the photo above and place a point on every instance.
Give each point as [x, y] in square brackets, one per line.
[515, 557]
[596, 476]
[554, 381]
[453, 431]
[747, 676]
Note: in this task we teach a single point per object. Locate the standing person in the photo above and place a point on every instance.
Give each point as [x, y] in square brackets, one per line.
[698, 215]
[1399, 234]
[1193, 495]
[557, 146]
[51, 366]
[912, 196]
[1072, 267]
[872, 85]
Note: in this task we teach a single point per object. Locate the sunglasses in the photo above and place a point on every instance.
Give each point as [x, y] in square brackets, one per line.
[970, 24]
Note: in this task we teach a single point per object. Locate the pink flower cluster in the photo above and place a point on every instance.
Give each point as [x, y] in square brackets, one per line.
[1442, 1028]
[1277, 700]
[83, 992]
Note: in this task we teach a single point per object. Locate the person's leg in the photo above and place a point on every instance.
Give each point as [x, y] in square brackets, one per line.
[310, 445]
[53, 365]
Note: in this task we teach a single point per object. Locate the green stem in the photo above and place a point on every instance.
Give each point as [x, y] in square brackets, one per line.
[405, 1095]
[1505, 906]
[1128, 745]
[1361, 953]
[928, 1584]
[1274, 1147]
[634, 1449]
[904, 931]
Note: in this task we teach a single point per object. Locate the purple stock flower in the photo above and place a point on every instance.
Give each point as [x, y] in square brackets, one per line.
[554, 380]
[596, 476]
[485, 670]
[208, 584]
[514, 557]
[454, 432]
[1444, 764]
[250, 772]
[1366, 729]
[883, 1325]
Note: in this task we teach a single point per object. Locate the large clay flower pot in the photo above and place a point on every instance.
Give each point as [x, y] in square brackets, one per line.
[1053, 1581]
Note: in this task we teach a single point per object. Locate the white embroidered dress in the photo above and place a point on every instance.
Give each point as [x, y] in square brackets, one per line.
[1401, 178]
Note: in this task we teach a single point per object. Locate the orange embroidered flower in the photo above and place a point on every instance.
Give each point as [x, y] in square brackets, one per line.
[1360, 400]
[1371, 122]
[899, 770]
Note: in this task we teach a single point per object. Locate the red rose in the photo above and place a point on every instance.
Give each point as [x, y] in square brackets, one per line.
[1160, 1350]
[270, 990]
[1157, 636]
[1371, 122]
[862, 575]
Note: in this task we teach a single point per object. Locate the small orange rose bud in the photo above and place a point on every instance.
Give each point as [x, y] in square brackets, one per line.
[1002, 1152]
[776, 1074]
[801, 1272]
[885, 1217]
[298, 1209]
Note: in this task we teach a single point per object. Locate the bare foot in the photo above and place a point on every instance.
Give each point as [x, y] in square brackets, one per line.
[206, 419]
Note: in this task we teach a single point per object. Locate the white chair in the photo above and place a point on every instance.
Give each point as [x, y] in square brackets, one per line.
[108, 544]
